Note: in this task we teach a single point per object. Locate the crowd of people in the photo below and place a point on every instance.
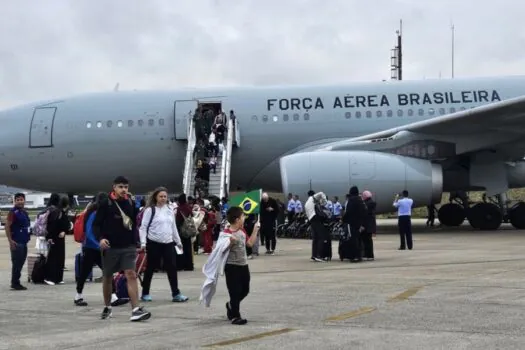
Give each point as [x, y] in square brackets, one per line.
[162, 234]
[210, 132]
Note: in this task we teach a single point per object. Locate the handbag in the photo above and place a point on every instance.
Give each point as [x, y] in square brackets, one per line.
[126, 220]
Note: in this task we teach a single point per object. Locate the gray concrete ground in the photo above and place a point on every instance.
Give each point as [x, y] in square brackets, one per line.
[458, 289]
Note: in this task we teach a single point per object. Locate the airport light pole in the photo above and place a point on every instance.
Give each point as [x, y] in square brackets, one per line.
[452, 48]
[396, 60]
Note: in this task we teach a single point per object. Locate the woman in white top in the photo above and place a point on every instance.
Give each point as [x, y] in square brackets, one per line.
[159, 236]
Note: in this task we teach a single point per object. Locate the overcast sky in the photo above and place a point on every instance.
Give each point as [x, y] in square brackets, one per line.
[57, 47]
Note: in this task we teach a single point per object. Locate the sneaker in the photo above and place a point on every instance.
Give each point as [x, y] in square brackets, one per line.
[106, 313]
[61, 282]
[250, 257]
[80, 302]
[146, 297]
[239, 321]
[18, 287]
[179, 298]
[228, 311]
[272, 252]
[119, 302]
[139, 314]
[49, 283]
[318, 260]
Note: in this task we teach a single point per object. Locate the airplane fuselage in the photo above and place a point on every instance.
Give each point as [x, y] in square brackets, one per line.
[94, 137]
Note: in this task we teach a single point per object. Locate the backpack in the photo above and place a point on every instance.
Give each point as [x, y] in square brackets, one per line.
[188, 229]
[121, 286]
[79, 233]
[40, 226]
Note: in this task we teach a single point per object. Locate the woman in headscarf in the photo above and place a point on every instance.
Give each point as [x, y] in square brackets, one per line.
[354, 219]
[370, 226]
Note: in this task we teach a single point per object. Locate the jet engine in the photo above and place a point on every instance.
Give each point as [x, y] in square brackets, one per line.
[384, 174]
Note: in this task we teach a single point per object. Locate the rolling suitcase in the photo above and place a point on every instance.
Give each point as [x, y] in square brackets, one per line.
[31, 260]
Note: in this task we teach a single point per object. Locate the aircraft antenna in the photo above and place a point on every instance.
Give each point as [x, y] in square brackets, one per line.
[396, 59]
[116, 87]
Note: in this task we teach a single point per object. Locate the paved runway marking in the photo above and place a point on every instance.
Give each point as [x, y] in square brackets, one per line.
[405, 295]
[250, 337]
[355, 313]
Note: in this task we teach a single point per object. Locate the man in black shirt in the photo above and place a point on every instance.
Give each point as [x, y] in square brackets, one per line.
[114, 227]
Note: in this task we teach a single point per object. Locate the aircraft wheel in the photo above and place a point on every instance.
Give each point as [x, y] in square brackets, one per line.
[485, 216]
[451, 214]
[517, 215]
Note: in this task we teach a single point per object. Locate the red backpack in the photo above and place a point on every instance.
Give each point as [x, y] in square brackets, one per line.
[78, 228]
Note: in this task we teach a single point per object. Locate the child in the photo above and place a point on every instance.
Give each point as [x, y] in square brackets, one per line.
[236, 268]
[213, 164]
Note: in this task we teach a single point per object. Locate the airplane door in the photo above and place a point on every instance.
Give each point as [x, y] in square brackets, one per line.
[41, 131]
[184, 110]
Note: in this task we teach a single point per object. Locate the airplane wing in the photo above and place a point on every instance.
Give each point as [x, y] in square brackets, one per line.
[483, 127]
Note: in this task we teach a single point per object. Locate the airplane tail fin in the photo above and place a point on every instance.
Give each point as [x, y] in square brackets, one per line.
[116, 87]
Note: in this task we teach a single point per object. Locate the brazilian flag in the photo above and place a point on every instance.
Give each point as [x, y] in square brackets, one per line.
[250, 202]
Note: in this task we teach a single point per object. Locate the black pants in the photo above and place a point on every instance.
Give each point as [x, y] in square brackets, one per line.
[185, 261]
[355, 244]
[319, 235]
[268, 231]
[404, 224]
[55, 261]
[368, 245]
[90, 258]
[291, 217]
[18, 259]
[157, 251]
[238, 283]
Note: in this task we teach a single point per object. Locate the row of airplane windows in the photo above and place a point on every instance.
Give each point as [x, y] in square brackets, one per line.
[120, 123]
[286, 117]
[368, 114]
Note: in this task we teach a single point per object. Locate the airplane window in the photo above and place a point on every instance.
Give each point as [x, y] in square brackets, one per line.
[99, 124]
[140, 122]
[389, 113]
[296, 117]
[410, 112]
[452, 109]
[275, 118]
[462, 108]
[306, 116]
[88, 125]
[130, 123]
[379, 114]
[442, 111]
[399, 112]
[109, 123]
[358, 114]
[265, 118]
[119, 123]
[348, 115]
[421, 112]
[161, 122]
[151, 122]
[431, 111]
[254, 118]
[286, 117]
[368, 114]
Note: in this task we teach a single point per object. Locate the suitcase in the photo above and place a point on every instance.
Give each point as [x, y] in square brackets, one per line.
[345, 249]
[327, 249]
[38, 267]
[78, 264]
[31, 259]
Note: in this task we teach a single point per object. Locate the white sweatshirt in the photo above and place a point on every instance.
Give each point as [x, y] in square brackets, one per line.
[163, 228]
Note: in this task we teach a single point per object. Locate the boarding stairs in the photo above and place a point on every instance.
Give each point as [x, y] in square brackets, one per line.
[219, 184]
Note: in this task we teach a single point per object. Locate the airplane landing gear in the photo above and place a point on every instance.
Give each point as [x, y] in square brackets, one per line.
[454, 212]
[517, 215]
[485, 216]
[451, 214]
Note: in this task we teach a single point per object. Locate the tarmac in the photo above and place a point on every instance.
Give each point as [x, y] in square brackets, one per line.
[458, 289]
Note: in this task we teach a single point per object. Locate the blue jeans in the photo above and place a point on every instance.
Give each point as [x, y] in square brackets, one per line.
[18, 259]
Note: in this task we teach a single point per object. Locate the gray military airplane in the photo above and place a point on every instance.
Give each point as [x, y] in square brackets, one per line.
[425, 136]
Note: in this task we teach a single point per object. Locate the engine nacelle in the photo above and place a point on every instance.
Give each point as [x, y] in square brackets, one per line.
[383, 174]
